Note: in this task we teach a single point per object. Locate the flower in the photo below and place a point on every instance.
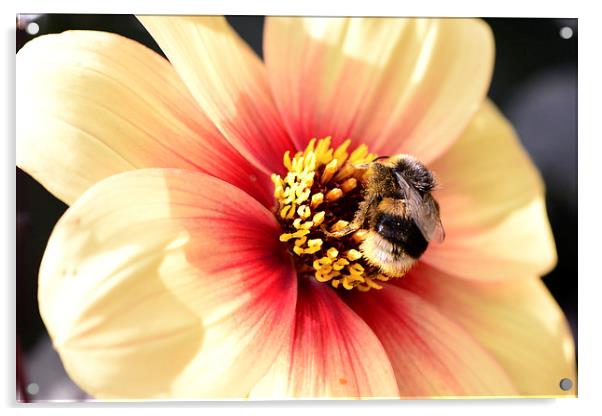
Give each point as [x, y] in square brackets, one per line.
[167, 276]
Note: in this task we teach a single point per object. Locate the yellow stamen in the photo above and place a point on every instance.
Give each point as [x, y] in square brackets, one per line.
[324, 261]
[346, 171]
[284, 211]
[341, 153]
[360, 235]
[353, 255]
[317, 199]
[356, 270]
[315, 242]
[301, 241]
[300, 233]
[310, 148]
[353, 278]
[287, 160]
[359, 154]
[322, 177]
[321, 277]
[314, 246]
[329, 171]
[339, 225]
[302, 226]
[373, 284]
[346, 284]
[303, 211]
[332, 253]
[319, 218]
[340, 264]
[302, 195]
[382, 277]
[349, 185]
[334, 194]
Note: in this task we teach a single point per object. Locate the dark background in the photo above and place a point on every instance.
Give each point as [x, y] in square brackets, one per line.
[534, 84]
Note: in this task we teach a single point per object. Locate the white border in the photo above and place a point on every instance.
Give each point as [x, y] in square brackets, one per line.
[517, 8]
[590, 122]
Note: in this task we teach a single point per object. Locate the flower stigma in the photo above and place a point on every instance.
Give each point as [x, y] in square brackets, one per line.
[322, 191]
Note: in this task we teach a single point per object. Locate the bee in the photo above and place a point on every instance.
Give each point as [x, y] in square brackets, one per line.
[402, 216]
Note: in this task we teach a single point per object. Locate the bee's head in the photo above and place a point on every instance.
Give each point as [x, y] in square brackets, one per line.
[415, 173]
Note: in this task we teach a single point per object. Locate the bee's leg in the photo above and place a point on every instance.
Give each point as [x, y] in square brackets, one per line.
[342, 232]
[358, 221]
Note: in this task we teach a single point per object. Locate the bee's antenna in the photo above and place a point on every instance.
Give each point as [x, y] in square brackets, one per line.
[367, 165]
[362, 166]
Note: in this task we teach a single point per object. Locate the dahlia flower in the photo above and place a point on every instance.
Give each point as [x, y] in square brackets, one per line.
[193, 262]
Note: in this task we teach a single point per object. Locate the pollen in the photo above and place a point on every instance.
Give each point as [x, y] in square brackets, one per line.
[321, 191]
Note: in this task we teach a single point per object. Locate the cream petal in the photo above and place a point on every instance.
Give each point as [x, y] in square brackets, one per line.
[492, 205]
[517, 321]
[92, 104]
[228, 81]
[399, 85]
[166, 283]
[332, 353]
[431, 355]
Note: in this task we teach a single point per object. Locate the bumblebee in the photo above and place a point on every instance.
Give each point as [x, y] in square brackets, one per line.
[398, 211]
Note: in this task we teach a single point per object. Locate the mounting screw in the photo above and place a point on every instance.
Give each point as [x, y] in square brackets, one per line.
[566, 384]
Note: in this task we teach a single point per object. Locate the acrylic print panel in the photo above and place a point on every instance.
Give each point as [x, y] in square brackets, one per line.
[270, 208]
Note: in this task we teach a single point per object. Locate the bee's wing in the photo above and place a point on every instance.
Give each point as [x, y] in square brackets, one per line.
[426, 216]
[424, 211]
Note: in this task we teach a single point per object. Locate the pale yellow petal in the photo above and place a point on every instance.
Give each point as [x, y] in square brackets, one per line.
[399, 85]
[492, 205]
[517, 321]
[166, 283]
[92, 104]
[432, 355]
[228, 81]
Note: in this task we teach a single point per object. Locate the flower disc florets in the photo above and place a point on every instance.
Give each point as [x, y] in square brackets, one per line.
[321, 192]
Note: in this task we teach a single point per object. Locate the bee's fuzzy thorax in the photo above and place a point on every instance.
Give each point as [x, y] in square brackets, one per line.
[415, 173]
